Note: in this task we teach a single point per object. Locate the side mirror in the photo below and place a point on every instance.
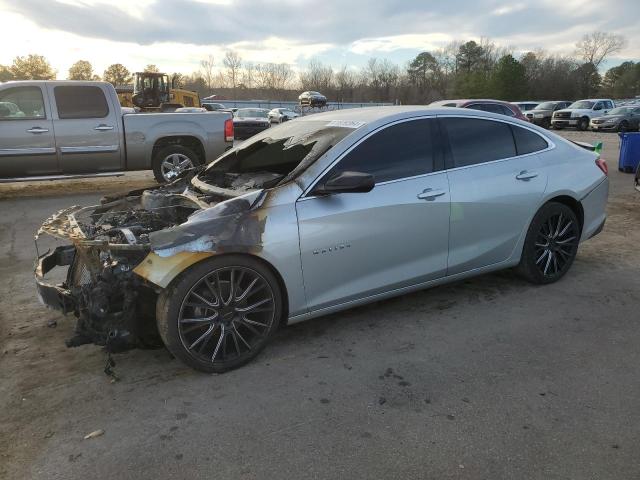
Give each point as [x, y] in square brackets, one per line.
[347, 182]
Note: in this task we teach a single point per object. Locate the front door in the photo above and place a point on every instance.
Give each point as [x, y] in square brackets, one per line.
[28, 145]
[87, 129]
[355, 245]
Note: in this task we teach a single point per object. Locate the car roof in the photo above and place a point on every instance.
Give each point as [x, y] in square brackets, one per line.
[371, 115]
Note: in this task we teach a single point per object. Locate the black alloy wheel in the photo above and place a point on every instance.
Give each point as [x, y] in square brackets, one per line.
[551, 244]
[220, 313]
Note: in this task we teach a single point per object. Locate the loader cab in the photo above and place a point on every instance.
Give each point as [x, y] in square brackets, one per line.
[151, 90]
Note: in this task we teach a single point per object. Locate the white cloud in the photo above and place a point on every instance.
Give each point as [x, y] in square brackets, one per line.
[419, 41]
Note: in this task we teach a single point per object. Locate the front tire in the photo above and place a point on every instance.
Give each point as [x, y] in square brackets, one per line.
[583, 124]
[551, 244]
[169, 162]
[220, 313]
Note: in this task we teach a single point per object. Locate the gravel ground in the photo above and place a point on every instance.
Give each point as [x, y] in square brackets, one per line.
[490, 378]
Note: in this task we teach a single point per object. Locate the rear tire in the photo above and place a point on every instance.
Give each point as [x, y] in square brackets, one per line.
[213, 327]
[551, 244]
[170, 161]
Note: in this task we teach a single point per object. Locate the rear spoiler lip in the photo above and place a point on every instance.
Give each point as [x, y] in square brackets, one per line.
[584, 145]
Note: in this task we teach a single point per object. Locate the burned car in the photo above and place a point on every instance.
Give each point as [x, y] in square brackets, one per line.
[315, 216]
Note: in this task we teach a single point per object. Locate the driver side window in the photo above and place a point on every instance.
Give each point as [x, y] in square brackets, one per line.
[400, 151]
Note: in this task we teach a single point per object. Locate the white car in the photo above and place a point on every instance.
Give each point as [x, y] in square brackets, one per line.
[279, 115]
[580, 113]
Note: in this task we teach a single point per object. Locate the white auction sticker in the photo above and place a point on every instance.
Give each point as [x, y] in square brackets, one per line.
[345, 124]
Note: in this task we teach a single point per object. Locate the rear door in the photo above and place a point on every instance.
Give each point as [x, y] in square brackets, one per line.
[27, 144]
[355, 245]
[495, 188]
[87, 129]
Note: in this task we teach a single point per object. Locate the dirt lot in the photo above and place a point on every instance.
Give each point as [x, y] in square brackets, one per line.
[488, 378]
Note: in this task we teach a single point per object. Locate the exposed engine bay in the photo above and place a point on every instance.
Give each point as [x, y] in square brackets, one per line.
[114, 306]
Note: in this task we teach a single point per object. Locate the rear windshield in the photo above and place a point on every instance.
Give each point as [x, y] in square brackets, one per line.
[283, 152]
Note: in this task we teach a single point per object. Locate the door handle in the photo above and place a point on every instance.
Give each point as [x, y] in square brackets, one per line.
[430, 194]
[38, 130]
[102, 127]
[526, 175]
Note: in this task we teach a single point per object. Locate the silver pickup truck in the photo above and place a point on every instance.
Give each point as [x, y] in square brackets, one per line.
[52, 129]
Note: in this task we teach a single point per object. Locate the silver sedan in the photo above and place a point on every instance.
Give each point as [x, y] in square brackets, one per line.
[322, 214]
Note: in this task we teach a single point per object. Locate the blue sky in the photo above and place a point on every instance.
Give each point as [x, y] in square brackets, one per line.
[176, 34]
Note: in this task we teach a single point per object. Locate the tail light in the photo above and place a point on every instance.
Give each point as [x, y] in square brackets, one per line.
[602, 165]
[228, 130]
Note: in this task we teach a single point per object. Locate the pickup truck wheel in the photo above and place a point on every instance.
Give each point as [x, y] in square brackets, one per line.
[171, 161]
[623, 127]
[583, 124]
[220, 313]
[546, 123]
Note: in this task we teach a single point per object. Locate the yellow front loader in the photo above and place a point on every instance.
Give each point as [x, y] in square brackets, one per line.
[153, 92]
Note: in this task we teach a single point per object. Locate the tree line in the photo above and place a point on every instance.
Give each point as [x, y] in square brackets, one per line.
[459, 70]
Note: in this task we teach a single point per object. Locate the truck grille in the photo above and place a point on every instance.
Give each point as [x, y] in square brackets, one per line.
[562, 115]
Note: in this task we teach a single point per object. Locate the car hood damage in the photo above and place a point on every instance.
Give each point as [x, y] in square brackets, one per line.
[121, 251]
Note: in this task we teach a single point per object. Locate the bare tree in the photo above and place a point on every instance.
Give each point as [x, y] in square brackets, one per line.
[317, 76]
[232, 63]
[207, 66]
[595, 47]
[346, 80]
[247, 76]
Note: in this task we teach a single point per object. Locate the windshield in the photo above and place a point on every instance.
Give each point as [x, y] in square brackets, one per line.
[273, 156]
[546, 106]
[581, 104]
[251, 112]
[621, 111]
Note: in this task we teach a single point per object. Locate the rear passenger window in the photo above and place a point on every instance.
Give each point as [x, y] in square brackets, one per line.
[399, 151]
[527, 141]
[80, 102]
[474, 141]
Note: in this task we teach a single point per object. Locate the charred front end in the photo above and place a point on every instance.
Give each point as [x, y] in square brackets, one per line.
[92, 277]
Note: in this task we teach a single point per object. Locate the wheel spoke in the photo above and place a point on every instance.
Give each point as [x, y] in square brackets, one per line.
[204, 300]
[564, 230]
[557, 230]
[255, 305]
[220, 340]
[241, 337]
[248, 289]
[565, 241]
[199, 319]
[546, 267]
[541, 257]
[208, 332]
[253, 322]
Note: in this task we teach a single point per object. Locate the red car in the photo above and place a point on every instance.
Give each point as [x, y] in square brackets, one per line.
[493, 106]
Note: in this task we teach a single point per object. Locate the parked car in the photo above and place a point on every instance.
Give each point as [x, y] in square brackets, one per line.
[312, 99]
[212, 107]
[620, 119]
[526, 106]
[541, 115]
[580, 113]
[249, 121]
[493, 106]
[66, 128]
[279, 115]
[319, 215]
